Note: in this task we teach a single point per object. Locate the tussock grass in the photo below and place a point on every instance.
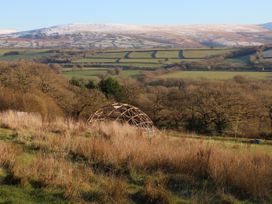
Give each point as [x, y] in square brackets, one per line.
[92, 162]
[7, 155]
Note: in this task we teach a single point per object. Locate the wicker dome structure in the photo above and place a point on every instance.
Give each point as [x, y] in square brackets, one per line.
[123, 113]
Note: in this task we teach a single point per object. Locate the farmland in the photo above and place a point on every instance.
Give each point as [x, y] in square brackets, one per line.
[92, 73]
[23, 54]
[133, 62]
[136, 59]
[215, 75]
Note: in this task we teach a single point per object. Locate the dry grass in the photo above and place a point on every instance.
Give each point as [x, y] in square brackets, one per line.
[54, 171]
[71, 157]
[7, 155]
[33, 121]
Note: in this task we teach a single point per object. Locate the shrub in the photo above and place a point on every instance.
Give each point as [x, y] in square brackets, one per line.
[111, 88]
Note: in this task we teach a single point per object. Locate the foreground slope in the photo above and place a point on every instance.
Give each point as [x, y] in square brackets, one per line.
[68, 162]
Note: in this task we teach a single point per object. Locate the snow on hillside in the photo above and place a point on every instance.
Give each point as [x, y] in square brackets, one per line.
[7, 31]
[124, 28]
[140, 36]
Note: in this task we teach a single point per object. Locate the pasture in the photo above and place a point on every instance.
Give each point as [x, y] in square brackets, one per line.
[92, 73]
[135, 60]
[204, 53]
[152, 58]
[215, 75]
[23, 54]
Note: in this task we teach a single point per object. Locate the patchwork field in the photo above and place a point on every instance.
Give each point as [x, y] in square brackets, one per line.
[136, 60]
[152, 58]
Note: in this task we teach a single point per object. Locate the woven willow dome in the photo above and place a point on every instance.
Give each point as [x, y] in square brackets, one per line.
[123, 113]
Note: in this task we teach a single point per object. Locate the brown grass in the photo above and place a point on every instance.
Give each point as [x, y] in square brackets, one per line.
[115, 150]
[53, 171]
[7, 155]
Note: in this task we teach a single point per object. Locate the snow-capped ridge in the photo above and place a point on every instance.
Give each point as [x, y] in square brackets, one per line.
[7, 31]
[139, 36]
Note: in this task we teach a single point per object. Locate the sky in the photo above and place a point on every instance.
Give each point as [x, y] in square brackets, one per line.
[32, 14]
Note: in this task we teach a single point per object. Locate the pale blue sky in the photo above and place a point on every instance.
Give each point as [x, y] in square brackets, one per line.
[31, 14]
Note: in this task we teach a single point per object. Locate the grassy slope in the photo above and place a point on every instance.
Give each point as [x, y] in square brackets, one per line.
[34, 143]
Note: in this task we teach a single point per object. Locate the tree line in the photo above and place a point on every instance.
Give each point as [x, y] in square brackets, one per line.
[237, 107]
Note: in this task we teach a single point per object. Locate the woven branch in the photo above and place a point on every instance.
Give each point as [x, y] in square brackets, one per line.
[123, 113]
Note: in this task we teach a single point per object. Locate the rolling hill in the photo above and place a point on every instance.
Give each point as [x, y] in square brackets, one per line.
[139, 36]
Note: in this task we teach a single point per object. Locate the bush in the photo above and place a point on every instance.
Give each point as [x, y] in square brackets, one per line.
[111, 88]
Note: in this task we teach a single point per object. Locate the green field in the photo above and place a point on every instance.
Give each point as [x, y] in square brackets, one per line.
[167, 54]
[215, 75]
[110, 55]
[134, 65]
[143, 59]
[149, 58]
[94, 72]
[94, 60]
[24, 54]
[203, 53]
[141, 55]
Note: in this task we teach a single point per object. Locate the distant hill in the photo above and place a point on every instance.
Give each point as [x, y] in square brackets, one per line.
[7, 31]
[268, 26]
[140, 36]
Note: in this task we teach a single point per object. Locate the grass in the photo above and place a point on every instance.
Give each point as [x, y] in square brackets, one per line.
[26, 54]
[141, 61]
[92, 73]
[141, 55]
[89, 73]
[167, 54]
[94, 60]
[216, 75]
[130, 73]
[136, 65]
[112, 163]
[17, 194]
[203, 53]
[228, 141]
[143, 58]
[110, 55]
